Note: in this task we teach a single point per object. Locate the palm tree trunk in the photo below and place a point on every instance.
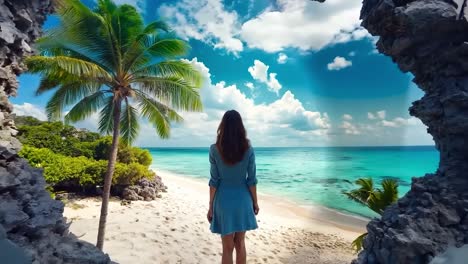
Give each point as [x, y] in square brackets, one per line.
[109, 173]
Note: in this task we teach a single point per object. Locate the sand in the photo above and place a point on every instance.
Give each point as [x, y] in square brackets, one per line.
[174, 229]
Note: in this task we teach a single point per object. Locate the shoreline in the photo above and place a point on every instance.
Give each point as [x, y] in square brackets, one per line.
[307, 216]
[174, 229]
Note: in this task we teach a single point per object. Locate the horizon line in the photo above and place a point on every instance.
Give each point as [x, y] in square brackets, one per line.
[368, 146]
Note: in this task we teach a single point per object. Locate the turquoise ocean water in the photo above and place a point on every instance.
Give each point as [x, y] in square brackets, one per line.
[313, 176]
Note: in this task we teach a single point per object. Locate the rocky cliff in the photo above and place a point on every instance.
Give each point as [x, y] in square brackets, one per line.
[428, 38]
[29, 218]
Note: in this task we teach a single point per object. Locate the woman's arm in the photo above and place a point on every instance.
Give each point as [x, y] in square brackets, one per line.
[252, 181]
[213, 183]
[253, 193]
[212, 195]
[209, 215]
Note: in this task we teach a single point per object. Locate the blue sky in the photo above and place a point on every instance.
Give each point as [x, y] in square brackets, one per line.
[301, 74]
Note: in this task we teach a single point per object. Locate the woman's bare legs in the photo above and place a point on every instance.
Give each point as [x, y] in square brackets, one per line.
[239, 243]
[228, 248]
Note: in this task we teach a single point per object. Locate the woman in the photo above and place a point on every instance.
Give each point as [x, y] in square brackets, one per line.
[233, 192]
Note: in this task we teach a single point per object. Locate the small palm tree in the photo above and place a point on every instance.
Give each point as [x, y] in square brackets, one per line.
[375, 199]
[107, 60]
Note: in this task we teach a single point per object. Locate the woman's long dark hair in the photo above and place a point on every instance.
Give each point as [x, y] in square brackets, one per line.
[232, 142]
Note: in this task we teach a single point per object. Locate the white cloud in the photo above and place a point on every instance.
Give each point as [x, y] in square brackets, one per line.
[249, 85]
[350, 128]
[378, 131]
[306, 25]
[273, 84]
[259, 72]
[282, 58]
[400, 122]
[338, 63]
[354, 34]
[347, 117]
[352, 54]
[377, 115]
[27, 109]
[381, 114]
[284, 122]
[205, 20]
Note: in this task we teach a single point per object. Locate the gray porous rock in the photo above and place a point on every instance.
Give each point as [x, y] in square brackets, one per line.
[144, 189]
[32, 227]
[429, 39]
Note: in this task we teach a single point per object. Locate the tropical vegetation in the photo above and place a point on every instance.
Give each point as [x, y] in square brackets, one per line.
[374, 198]
[76, 160]
[107, 60]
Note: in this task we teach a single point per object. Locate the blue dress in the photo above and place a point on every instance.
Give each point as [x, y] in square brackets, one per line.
[232, 204]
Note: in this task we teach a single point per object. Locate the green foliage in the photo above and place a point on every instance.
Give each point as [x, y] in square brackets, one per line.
[81, 172]
[59, 138]
[128, 174]
[128, 154]
[358, 242]
[27, 121]
[69, 141]
[373, 198]
[77, 159]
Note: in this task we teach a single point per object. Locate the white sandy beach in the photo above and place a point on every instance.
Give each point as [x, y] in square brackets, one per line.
[174, 229]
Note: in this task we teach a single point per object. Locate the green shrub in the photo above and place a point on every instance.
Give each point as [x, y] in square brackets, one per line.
[128, 174]
[60, 138]
[38, 157]
[73, 158]
[81, 172]
[128, 154]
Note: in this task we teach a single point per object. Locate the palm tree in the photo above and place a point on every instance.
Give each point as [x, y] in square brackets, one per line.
[107, 60]
[375, 199]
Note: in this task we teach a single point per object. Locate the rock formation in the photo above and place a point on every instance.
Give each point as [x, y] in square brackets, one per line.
[429, 39]
[29, 218]
[144, 189]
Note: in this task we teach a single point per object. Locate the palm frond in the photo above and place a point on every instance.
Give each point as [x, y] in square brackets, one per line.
[157, 113]
[154, 26]
[86, 107]
[53, 46]
[79, 26]
[365, 183]
[364, 192]
[389, 193]
[375, 199]
[106, 120]
[149, 46]
[171, 69]
[356, 196]
[72, 66]
[66, 95]
[375, 202]
[129, 126]
[57, 78]
[46, 84]
[358, 243]
[175, 91]
[168, 48]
